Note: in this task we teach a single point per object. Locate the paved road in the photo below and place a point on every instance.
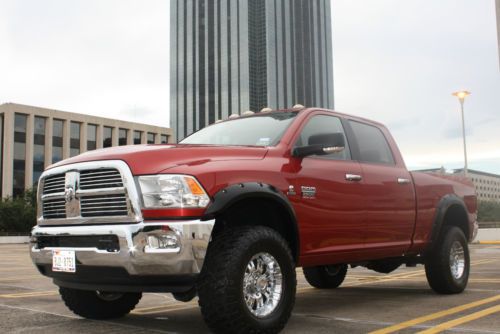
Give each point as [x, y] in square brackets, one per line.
[399, 302]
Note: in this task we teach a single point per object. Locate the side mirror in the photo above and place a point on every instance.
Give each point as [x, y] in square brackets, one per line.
[321, 144]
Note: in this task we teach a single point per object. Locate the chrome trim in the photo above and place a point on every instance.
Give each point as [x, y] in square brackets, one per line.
[403, 180]
[72, 194]
[475, 230]
[353, 177]
[133, 256]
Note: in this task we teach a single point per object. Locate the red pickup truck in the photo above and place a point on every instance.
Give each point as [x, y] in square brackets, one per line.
[230, 212]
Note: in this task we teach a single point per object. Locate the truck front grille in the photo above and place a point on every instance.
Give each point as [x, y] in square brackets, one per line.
[104, 205]
[100, 179]
[54, 208]
[86, 193]
[108, 243]
[54, 184]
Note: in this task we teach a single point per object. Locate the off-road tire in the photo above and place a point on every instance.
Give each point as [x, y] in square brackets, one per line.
[323, 277]
[437, 266]
[90, 305]
[220, 284]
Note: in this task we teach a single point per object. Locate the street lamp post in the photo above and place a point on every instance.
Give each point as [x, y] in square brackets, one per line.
[461, 97]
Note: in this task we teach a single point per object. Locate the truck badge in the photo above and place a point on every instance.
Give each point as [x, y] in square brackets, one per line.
[291, 191]
[308, 192]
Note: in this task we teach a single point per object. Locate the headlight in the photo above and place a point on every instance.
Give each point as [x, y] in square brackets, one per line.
[172, 191]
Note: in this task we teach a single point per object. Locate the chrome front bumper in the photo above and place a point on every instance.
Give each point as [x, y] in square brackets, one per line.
[137, 254]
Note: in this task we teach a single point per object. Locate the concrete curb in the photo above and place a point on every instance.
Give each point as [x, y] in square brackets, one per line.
[489, 242]
[14, 240]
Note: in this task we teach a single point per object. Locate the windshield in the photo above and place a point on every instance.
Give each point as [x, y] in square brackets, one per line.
[261, 130]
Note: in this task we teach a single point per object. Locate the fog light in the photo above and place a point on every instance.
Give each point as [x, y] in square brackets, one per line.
[163, 243]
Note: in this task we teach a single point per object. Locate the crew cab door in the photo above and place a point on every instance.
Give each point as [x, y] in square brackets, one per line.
[327, 204]
[388, 192]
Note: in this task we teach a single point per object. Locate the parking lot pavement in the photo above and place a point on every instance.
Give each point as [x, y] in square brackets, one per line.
[399, 302]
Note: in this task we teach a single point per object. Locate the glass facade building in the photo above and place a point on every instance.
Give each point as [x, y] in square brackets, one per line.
[229, 56]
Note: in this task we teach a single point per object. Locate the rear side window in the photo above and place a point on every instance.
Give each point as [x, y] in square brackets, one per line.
[324, 125]
[373, 146]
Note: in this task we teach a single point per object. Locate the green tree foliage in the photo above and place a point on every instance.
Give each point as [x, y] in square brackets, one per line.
[488, 211]
[18, 214]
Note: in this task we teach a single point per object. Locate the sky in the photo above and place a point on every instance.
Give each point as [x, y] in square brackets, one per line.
[395, 61]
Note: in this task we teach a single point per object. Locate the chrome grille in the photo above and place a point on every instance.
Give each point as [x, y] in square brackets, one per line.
[54, 208]
[88, 193]
[54, 184]
[100, 178]
[104, 205]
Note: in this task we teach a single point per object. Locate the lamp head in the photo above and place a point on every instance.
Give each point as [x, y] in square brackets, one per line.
[461, 95]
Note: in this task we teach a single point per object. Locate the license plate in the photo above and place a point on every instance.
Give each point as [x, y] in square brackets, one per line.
[64, 261]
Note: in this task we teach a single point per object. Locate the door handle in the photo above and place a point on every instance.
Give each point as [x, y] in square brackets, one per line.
[403, 180]
[353, 177]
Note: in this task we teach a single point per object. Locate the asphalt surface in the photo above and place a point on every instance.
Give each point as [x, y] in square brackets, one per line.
[399, 302]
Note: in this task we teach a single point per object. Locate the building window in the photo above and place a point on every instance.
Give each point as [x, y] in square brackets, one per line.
[39, 148]
[151, 138]
[91, 137]
[164, 139]
[57, 140]
[137, 137]
[122, 137]
[107, 139]
[75, 139]
[19, 154]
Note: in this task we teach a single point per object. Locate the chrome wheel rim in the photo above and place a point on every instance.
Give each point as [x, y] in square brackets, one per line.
[262, 284]
[457, 260]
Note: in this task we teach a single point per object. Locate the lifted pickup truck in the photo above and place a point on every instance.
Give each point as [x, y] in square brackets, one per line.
[230, 212]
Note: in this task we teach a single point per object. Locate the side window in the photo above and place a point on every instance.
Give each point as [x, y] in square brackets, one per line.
[324, 125]
[373, 146]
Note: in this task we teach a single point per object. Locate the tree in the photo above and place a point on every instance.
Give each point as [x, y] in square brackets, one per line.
[18, 214]
[488, 211]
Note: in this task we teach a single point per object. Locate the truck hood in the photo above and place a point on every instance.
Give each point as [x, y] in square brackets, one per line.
[152, 159]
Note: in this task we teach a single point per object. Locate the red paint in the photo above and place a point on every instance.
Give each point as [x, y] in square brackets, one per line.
[345, 222]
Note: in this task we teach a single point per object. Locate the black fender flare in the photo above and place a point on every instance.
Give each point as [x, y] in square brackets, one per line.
[232, 194]
[443, 205]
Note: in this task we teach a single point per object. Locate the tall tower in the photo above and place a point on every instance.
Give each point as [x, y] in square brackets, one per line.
[229, 56]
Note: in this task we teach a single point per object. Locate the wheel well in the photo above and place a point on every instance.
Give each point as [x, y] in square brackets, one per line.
[261, 212]
[457, 216]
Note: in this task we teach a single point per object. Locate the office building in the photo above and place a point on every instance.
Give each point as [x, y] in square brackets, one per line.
[229, 56]
[487, 184]
[33, 138]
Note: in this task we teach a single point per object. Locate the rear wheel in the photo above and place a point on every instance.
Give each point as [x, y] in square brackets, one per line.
[248, 281]
[447, 268]
[326, 277]
[97, 304]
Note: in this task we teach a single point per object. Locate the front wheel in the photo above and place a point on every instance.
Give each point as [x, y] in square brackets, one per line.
[447, 268]
[99, 305]
[248, 281]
